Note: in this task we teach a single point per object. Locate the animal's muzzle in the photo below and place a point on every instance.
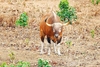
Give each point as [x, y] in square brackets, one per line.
[56, 35]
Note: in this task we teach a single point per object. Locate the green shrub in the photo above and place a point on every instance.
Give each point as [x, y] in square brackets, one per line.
[95, 1]
[66, 12]
[23, 64]
[22, 21]
[43, 63]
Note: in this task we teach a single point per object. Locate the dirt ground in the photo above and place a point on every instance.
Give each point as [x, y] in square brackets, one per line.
[25, 42]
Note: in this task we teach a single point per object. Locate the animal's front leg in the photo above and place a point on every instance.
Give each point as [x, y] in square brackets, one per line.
[58, 48]
[42, 44]
[55, 49]
[49, 45]
[49, 49]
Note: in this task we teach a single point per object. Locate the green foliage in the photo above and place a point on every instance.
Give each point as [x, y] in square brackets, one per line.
[92, 33]
[22, 21]
[69, 43]
[66, 12]
[23, 64]
[3, 65]
[11, 65]
[95, 1]
[19, 64]
[43, 63]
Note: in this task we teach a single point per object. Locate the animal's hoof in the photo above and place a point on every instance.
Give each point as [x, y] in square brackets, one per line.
[48, 54]
[55, 52]
[59, 54]
[41, 53]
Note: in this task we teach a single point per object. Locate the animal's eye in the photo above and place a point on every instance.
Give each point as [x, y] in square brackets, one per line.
[53, 30]
[60, 30]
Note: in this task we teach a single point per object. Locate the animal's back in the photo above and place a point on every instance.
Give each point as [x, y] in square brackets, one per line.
[44, 29]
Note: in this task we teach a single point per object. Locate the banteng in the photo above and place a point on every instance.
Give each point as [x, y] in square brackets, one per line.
[51, 26]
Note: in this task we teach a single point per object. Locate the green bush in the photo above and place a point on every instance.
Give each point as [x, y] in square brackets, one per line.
[43, 63]
[22, 21]
[66, 12]
[95, 1]
[23, 64]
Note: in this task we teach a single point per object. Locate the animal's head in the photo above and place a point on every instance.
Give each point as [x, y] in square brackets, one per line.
[56, 24]
[57, 29]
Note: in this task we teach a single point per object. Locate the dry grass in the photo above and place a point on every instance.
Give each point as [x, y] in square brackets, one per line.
[84, 51]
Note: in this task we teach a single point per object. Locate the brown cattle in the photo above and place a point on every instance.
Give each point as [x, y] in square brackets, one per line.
[51, 26]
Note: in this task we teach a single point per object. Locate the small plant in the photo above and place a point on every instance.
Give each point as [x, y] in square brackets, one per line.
[27, 41]
[43, 63]
[95, 1]
[22, 21]
[92, 33]
[3, 65]
[11, 65]
[69, 43]
[66, 13]
[12, 56]
[23, 64]
[19, 64]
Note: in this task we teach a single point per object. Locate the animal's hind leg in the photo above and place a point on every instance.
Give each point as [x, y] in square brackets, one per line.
[49, 45]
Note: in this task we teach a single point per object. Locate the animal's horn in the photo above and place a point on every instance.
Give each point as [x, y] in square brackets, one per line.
[49, 24]
[66, 23]
[54, 14]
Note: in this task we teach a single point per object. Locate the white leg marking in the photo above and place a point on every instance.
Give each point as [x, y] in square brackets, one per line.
[49, 49]
[55, 48]
[58, 49]
[42, 44]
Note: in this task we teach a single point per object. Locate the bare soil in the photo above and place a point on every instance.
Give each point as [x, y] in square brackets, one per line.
[25, 42]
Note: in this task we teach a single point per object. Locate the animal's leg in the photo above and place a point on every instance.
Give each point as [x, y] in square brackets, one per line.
[49, 45]
[58, 48]
[42, 44]
[55, 49]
